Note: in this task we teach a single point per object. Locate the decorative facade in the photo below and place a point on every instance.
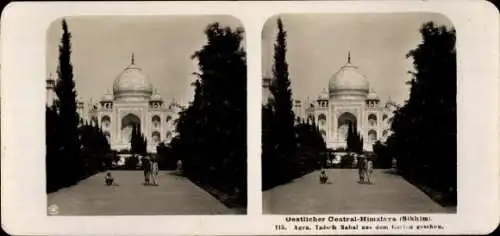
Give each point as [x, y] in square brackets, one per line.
[348, 100]
[132, 103]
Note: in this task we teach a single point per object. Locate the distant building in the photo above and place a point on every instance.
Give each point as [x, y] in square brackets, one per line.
[132, 103]
[348, 100]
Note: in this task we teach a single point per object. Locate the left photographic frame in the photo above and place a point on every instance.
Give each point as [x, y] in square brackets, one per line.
[146, 115]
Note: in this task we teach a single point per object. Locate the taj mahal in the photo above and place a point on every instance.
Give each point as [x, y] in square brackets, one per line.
[132, 103]
[349, 99]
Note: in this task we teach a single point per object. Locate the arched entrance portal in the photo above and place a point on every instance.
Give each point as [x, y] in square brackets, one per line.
[372, 137]
[128, 122]
[343, 125]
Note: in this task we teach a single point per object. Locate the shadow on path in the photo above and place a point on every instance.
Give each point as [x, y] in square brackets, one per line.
[175, 195]
[390, 193]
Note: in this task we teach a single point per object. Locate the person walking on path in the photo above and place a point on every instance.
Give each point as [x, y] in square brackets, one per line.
[146, 164]
[369, 170]
[323, 178]
[179, 166]
[361, 168]
[154, 170]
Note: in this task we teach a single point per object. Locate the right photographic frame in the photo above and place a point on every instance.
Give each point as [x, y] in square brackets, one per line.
[359, 114]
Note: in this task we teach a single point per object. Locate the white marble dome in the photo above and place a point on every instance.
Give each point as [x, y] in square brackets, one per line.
[132, 83]
[348, 81]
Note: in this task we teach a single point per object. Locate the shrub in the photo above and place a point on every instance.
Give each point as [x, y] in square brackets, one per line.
[131, 163]
[384, 160]
[347, 161]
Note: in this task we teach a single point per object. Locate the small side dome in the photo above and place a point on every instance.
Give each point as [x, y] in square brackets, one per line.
[50, 81]
[372, 96]
[389, 102]
[323, 95]
[107, 97]
[156, 98]
[79, 102]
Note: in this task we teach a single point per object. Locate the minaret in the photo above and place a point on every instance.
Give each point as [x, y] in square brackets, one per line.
[79, 109]
[297, 108]
[323, 99]
[266, 90]
[50, 90]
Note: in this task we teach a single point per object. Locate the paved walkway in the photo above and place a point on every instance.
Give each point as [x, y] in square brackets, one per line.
[389, 194]
[176, 195]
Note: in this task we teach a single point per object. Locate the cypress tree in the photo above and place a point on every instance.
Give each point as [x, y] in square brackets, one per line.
[350, 139]
[134, 148]
[65, 90]
[283, 120]
[354, 140]
[269, 162]
[144, 145]
[279, 149]
[54, 166]
[360, 143]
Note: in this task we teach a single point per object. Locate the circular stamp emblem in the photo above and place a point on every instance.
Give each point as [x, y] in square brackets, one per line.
[53, 210]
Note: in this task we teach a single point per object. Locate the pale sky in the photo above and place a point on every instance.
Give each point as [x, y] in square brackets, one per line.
[318, 46]
[163, 45]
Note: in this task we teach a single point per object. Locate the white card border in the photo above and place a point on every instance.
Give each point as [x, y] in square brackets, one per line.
[23, 63]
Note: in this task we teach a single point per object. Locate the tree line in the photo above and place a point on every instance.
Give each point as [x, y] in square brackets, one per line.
[211, 140]
[138, 147]
[354, 140]
[289, 148]
[424, 138]
[74, 150]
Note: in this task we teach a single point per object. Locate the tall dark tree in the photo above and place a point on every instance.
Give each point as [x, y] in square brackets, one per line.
[283, 121]
[212, 130]
[311, 150]
[73, 152]
[167, 161]
[424, 129]
[144, 145]
[350, 141]
[54, 165]
[135, 141]
[290, 148]
[270, 163]
[95, 148]
[383, 160]
[68, 117]
[354, 140]
[279, 135]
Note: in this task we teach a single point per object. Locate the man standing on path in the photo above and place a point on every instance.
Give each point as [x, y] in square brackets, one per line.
[179, 166]
[146, 164]
[154, 170]
[369, 169]
[361, 168]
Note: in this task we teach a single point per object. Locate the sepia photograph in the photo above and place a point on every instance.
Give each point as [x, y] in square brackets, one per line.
[146, 115]
[359, 114]
[250, 117]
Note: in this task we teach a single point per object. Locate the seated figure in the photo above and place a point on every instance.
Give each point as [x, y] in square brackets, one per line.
[323, 177]
[109, 178]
